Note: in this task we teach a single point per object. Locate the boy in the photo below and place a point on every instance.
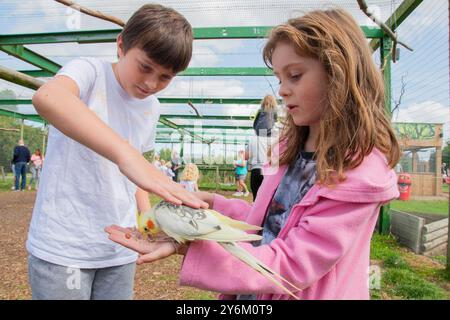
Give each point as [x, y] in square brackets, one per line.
[111, 109]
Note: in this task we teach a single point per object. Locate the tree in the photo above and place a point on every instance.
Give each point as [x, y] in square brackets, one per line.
[446, 153]
[165, 154]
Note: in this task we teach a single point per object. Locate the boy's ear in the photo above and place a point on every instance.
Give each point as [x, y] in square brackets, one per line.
[120, 52]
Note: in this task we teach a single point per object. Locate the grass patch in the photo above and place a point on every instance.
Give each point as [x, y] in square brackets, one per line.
[195, 295]
[399, 280]
[212, 186]
[405, 284]
[421, 206]
[383, 247]
[5, 185]
[441, 259]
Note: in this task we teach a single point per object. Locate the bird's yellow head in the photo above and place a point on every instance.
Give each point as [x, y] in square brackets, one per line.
[147, 225]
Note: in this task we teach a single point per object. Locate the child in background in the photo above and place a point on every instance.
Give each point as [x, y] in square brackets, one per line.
[37, 160]
[329, 175]
[189, 177]
[240, 167]
[168, 170]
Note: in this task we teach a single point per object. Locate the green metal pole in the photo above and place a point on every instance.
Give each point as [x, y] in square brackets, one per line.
[385, 55]
[44, 136]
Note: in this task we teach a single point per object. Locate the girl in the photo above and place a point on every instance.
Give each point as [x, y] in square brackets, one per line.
[240, 170]
[336, 155]
[189, 177]
[35, 168]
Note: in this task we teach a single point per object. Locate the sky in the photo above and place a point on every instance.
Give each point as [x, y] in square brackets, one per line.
[423, 72]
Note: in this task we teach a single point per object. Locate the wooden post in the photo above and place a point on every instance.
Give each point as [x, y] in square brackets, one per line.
[21, 130]
[217, 178]
[438, 181]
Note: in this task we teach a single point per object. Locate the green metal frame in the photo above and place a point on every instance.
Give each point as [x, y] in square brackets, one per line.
[14, 45]
[385, 60]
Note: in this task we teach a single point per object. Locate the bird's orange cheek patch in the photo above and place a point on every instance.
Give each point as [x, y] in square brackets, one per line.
[128, 236]
[150, 225]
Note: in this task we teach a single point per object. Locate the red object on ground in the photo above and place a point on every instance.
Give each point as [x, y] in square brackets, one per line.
[404, 186]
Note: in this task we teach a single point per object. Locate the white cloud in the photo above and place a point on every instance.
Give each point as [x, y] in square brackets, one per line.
[205, 88]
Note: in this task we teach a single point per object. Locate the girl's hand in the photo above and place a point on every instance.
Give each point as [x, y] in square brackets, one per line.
[206, 197]
[149, 251]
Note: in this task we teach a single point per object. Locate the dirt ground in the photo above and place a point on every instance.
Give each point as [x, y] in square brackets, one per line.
[154, 281]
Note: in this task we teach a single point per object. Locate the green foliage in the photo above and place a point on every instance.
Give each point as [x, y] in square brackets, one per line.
[165, 154]
[8, 139]
[395, 260]
[421, 206]
[149, 155]
[446, 153]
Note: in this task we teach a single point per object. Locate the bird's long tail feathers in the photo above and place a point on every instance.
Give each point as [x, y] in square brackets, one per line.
[254, 263]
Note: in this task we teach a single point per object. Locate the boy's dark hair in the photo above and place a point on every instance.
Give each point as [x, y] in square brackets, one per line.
[163, 33]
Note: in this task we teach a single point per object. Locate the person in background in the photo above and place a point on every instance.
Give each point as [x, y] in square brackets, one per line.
[240, 167]
[266, 117]
[37, 160]
[21, 158]
[176, 162]
[13, 170]
[189, 177]
[157, 161]
[168, 170]
[259, 144]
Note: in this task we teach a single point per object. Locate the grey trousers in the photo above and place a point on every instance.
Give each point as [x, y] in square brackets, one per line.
[50, 281]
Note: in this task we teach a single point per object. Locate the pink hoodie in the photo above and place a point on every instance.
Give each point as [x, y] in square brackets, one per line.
[323, 248]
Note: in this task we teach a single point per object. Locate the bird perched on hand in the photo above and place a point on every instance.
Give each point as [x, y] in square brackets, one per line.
[184, 224]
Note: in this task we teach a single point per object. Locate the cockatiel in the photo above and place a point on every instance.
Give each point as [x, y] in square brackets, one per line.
[187, 224]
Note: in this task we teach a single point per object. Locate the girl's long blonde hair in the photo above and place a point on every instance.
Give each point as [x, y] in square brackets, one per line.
[354, 120]
[190, 173]
[269, 103]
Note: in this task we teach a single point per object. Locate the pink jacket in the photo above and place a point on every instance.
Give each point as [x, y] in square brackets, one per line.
[323, 248]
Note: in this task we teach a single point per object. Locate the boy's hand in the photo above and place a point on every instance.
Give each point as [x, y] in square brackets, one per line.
[147, 177]
[149, 251]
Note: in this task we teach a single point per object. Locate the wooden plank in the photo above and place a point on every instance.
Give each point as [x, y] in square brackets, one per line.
[437, 250]
[433, 244]
[427, 237]
[435, 225]
[407, 228]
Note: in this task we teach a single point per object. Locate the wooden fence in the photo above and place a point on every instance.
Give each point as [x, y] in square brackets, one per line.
[426, 236]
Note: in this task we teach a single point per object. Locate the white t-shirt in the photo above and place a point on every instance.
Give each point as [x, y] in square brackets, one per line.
[81, 192]
[257, 150]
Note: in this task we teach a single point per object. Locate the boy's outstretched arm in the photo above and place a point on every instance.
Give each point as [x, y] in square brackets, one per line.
[58, 102]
